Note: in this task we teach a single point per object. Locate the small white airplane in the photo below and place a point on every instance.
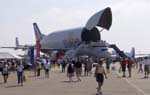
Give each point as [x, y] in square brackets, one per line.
[18, 46]
[78, 41]
[28, 51]
[23, 47]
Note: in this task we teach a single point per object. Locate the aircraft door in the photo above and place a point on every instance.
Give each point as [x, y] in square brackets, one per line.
[90, 35]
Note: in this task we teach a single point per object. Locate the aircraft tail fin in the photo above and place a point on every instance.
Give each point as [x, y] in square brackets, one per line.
[39, 36]
[102, 19]
[133, 52]
[17, 42]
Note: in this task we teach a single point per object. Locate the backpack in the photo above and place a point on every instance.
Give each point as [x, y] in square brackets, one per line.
[5, 70]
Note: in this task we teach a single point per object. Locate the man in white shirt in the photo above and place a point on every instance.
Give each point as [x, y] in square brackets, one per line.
[146, 63]
[46, 67]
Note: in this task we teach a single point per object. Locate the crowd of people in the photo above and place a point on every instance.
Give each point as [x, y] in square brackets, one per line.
[78, 67]
[142, 64]
[18, 66]
[126, 64]
[11, 66]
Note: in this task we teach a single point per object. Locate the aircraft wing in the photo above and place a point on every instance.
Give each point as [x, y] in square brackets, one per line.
[12, 48]
[9, 47]
[15, 48]
[52, 49]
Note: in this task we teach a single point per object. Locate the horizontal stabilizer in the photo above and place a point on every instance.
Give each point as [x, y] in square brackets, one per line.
[102, 19]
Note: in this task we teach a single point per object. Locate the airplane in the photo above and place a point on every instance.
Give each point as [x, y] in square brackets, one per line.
[28, 51]
[23, 47]
[78, 41]
[18, 46]
[130, 54]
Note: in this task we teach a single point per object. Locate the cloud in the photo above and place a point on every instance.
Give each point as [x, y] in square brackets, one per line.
[127, 8]
[130, 20]
[63, 18]
[130, 24]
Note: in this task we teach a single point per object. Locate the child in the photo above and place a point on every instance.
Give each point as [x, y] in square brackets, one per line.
[99, 74]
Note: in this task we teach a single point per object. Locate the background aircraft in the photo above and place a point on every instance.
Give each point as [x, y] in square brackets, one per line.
[18, 46]
[130, 54]
[78, 41]
[29, 53]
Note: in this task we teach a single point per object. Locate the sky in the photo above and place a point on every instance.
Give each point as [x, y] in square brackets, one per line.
[130, 24]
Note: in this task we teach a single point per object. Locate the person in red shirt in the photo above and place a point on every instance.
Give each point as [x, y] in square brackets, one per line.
[123, 66]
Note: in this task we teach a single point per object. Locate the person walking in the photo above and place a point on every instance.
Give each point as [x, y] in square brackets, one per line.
[78, 69]
[107, 65]
[99, 74]
[38, 68]
[123, 66]
[63, 64]
[129, 65]
[146, 67]
[140, 65]
[5, 71]
[88, 67]
[46, 68]
[70, 71]
[20, 69]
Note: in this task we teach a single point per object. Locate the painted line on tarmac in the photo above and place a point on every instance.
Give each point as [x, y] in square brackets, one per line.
[134, 86]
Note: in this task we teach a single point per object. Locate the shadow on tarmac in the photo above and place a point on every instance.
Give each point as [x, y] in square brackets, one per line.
[69, 81]
[11, 86]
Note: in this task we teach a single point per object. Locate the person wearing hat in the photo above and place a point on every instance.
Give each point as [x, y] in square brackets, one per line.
[99, 74]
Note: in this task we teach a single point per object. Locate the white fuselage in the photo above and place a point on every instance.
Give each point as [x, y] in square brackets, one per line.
[70, 39]
[62, 39]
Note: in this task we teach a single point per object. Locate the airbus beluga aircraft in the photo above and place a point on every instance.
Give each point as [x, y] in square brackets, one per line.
[78, 41]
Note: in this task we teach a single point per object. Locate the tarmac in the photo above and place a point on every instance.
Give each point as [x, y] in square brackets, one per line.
[58, 84]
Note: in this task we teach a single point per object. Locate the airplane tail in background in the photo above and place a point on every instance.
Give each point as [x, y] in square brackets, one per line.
[121, 53]
[17, 42]
[39, 36]
[133, 52]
